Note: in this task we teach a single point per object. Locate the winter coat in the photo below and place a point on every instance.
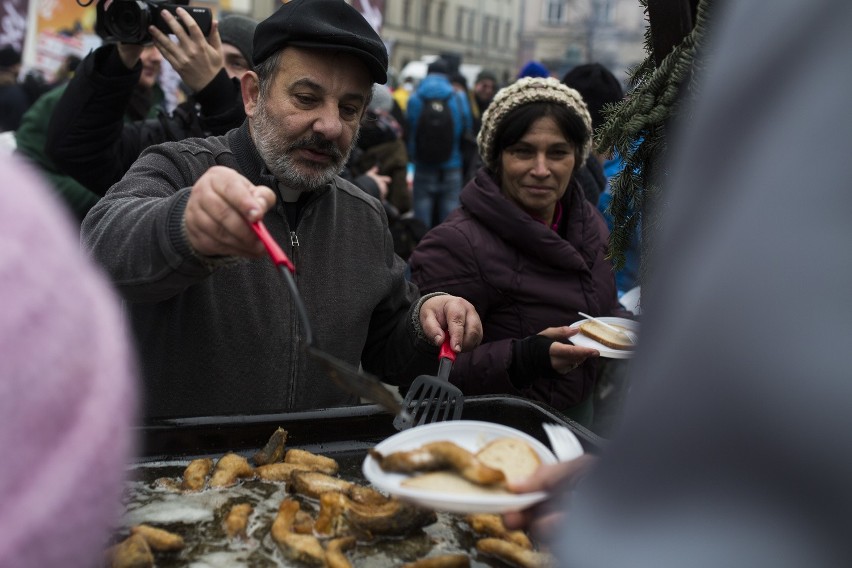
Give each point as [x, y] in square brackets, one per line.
[224, 338]
[522, 277]
[88, 138]
[437, 85]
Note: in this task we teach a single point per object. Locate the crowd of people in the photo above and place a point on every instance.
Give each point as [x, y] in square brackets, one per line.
[496, 243]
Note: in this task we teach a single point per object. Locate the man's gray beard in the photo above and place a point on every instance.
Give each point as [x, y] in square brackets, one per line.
[277, 154]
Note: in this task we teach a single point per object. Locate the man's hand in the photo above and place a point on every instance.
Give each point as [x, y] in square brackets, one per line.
[221, 206]
[557, 479]
[454, 315]
[565, 357]
[380, 180]
[196, 59]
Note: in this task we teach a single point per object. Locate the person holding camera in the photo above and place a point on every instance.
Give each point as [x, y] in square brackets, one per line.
[88, 138]
[217, 331]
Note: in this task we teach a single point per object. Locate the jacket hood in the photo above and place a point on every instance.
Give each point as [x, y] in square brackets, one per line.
[435, 86]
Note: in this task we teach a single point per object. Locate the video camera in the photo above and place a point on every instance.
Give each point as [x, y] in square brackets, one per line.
[127, 21]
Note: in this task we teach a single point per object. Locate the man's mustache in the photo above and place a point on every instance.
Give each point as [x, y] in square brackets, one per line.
[317, 143]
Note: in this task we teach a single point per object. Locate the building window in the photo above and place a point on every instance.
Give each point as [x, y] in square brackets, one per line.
[486, 23]
[470, 24]
[406, 14]
[460, 23]
[604, 11]
[442, 13]
[427, 9]
[554, 11]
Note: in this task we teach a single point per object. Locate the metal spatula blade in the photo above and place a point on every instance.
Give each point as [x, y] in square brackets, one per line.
[432, 398]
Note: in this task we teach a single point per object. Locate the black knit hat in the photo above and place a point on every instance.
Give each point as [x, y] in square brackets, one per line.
[597, 85]
[238, 31]
[322, 24]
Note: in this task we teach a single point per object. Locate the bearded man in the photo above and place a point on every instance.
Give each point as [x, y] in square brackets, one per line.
[217, 331]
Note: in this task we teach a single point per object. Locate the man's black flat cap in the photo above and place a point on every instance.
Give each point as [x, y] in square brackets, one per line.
[322, 24]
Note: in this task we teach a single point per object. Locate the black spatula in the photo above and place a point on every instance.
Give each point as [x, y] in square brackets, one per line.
[432, 398]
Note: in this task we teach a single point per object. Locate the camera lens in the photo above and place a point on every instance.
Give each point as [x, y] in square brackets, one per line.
[128, 21]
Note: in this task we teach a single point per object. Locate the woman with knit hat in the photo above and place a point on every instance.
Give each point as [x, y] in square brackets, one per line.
[527, 249]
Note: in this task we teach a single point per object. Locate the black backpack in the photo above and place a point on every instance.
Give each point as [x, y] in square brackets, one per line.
[435, 131]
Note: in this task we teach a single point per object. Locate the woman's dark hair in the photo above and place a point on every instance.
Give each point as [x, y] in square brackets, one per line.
[516, 123]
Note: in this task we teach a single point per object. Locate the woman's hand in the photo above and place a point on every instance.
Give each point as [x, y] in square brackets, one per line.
[565, 357]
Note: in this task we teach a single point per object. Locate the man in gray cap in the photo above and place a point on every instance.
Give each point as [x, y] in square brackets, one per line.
[218, 332]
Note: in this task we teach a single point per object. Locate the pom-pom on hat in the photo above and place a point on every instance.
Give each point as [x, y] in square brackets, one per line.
[533, 69]
[322, 24]
[238, 31]
[525, 91]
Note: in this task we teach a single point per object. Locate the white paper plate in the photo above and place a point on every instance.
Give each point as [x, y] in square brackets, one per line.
[469, 434]
[585, 341]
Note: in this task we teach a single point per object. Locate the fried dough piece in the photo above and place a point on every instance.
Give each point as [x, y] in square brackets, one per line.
[273, 451]
[305, 548]
[492, 525]
[236, 521]
[313, 484]
[511, 553]
[315, 462]
[158, 539]
[441, 561]
[195, 474]
[229, 469]
[339, 515]
[132, 552]
[334, 552]
[279, 471]
[440, 455]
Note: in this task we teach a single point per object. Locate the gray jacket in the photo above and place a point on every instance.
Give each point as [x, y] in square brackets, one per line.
[224, 340]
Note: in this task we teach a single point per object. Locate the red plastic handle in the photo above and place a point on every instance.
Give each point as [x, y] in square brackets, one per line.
[447, 351]
[279, 257]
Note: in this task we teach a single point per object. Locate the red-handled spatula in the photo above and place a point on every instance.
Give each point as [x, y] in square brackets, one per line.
[432, 398]
[343, 374]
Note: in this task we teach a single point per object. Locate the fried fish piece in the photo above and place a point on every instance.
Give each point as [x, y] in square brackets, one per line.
[236, 520]
[440, 561]
[440, 455]
[229, 469]
[304, 548]
[492, 525]
[335, 556]
[273, 451]
[279, 471]
[285, 519]
[511, 553]
[132, 552]
[158, 539]
[314, 461]
[313, 484]
[339, 515]
[195, 474]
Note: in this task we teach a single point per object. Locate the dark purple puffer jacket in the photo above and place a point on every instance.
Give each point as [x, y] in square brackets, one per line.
[522, 277]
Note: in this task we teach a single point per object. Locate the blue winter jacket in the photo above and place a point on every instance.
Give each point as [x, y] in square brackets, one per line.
[437, 85]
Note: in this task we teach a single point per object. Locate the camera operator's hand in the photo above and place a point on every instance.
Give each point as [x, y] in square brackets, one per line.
[220, 206]
[196, 58]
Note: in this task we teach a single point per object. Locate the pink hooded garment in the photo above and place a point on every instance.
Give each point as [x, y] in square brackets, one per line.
[68, 395]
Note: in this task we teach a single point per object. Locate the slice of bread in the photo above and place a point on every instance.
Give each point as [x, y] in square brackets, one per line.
[513, 456]
[605, 336]
[451, 482]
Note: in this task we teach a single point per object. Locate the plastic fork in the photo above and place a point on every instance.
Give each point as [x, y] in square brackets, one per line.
[565, 444]
[432, 398]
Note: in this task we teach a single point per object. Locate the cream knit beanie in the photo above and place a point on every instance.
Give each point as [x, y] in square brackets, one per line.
[521, 92]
